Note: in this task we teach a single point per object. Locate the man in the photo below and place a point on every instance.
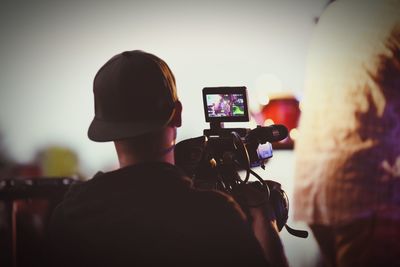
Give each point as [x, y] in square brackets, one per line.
[348, 152]
[147, 213]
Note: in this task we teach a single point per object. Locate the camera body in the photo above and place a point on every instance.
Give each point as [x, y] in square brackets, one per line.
[202, 156]
[214, 160]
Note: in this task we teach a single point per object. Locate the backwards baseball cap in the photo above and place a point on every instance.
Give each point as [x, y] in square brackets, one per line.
[134, 94]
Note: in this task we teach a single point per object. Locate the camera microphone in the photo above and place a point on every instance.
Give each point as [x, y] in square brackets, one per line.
[272, 133]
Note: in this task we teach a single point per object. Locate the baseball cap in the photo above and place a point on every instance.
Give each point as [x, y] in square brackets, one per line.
[134, 94]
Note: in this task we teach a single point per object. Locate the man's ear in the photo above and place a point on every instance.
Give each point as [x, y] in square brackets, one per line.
[176, 120]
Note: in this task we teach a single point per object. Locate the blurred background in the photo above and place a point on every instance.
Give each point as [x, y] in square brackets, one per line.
[51, 50]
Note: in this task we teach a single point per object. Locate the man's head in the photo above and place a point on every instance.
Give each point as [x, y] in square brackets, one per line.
[135, 98]
[135, 93]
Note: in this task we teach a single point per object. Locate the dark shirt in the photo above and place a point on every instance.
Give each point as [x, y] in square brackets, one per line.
[147, 215]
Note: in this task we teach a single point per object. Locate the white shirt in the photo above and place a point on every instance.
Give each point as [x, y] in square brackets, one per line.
[348, 149]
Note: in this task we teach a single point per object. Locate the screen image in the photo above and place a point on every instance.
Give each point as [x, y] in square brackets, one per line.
[225, 105]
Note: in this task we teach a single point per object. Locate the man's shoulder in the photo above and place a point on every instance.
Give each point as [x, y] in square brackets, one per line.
[218, 202]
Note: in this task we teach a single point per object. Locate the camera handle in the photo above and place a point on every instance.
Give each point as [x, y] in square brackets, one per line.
[295, 232]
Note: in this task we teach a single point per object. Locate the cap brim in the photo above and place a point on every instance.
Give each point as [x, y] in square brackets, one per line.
[103, 131]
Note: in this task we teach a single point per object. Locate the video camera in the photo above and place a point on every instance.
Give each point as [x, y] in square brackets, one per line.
[215, 159]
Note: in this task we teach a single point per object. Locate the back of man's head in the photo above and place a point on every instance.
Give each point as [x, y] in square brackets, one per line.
[135, 94]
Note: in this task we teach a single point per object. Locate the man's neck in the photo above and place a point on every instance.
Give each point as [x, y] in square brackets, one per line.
[153, 147]
[128, 156]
